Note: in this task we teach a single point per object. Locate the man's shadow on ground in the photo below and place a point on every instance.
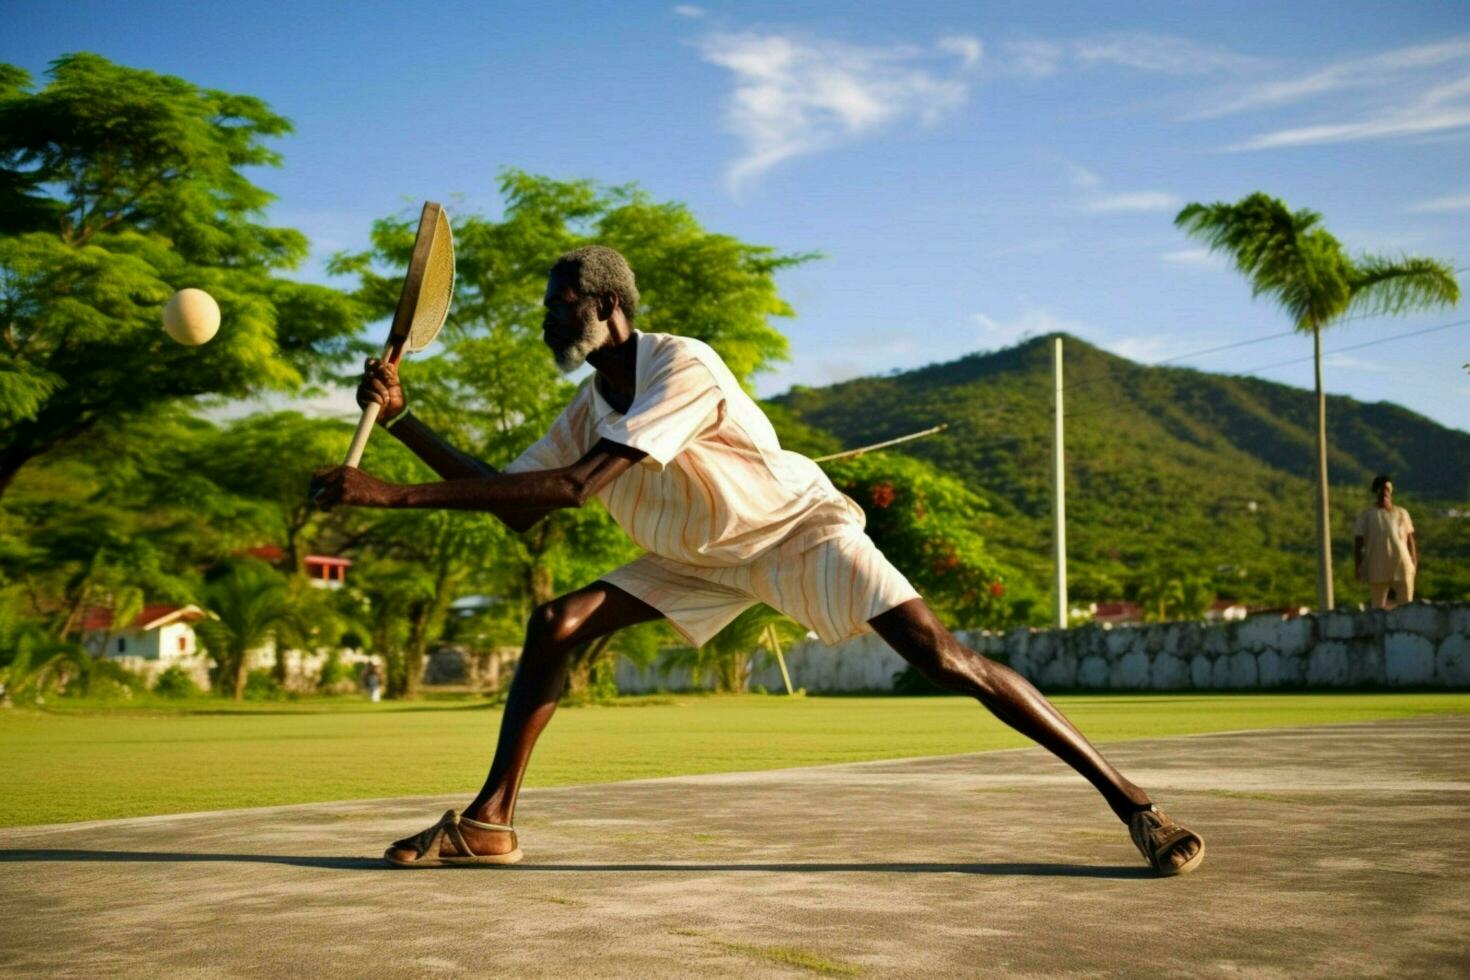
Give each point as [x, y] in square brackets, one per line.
[377, 864]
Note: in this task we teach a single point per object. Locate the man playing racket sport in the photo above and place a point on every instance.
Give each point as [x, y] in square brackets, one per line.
[663, 435]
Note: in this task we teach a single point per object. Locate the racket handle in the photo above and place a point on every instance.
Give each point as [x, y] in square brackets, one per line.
[360, 437]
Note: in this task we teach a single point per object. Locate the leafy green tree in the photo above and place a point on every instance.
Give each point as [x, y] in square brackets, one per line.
[33, 662]
[63, 667]
[1196, 595]
[269, 457]
[121, 515]
[175, 682]
[1168, 592]
[1158, 590]
[396, 598]
[440, 555]
[249, 605]
[1287, 255]
[117, 187]
[412, 564]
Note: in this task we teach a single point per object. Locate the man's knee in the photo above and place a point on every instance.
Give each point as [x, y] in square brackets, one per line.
[965, 670]
[553, 625]
[920, 638]
[951, 665]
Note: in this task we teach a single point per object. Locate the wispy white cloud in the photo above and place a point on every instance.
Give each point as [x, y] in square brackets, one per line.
[1138, 50]
[1161, 53]
[1450, 202]
[1034, 322]
[1412, 92]
[1193, 257]
[1030, 58]
[1093, 198]
[1149, 348]
[1084, 179]
[1135, 201]
[1370, 73]
[1344, 362]
[796, 96]
[968, 48]
[1426, 115]
[689, 10]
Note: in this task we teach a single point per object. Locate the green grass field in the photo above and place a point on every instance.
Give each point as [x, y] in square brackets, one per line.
[78, 762]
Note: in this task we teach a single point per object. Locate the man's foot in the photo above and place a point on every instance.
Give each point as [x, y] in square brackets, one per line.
[1169, 848]
[456, 840]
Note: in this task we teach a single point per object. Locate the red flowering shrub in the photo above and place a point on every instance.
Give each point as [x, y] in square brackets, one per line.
[928, 525]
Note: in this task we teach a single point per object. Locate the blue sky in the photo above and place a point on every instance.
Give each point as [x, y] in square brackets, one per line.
[973, 174]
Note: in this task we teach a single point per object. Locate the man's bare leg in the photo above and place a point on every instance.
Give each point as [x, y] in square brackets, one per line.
[919, 637]
[554, 632]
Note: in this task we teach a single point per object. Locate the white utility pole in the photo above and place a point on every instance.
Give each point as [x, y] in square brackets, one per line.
[1059, 492]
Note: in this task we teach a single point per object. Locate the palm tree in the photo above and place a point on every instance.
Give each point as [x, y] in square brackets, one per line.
[729, 656]
[1286, 256]
[249, 605]
[38, 663]
[1159, 590]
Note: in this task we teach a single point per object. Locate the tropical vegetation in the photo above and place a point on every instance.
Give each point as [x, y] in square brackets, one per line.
[130, 477]
[1289, 257]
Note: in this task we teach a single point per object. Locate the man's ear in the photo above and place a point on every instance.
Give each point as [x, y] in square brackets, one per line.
[606, 304]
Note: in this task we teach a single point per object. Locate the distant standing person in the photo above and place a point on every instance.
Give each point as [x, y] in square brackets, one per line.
[1384, 554]
[373, 681]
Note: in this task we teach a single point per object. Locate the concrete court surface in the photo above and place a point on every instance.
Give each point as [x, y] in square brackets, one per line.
[1332, 851]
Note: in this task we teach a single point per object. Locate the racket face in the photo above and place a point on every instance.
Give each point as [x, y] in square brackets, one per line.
[428, 287]
[437, 289]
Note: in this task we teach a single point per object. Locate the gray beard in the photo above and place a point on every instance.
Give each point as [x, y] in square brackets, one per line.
[574, 354]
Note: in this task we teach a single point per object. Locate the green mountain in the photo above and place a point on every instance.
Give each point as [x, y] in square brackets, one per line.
[1206, 475]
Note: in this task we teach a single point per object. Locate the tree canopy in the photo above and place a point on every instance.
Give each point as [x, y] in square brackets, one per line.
[119, 186]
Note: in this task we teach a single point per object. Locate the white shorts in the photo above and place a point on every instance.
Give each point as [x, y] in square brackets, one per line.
[833, 588]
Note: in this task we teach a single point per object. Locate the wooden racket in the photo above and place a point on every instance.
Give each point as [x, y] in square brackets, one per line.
[428, 290]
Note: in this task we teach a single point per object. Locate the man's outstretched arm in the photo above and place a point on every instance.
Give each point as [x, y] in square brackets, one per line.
[380, 384]
[441, 457]
[454, 464]
[518, 499]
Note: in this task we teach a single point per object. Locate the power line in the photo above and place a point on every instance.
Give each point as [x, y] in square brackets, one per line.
[1095, 407]
[1369, 343]
[1184, 357]
[1216, 350]
[1225, 347]
[1254, 340]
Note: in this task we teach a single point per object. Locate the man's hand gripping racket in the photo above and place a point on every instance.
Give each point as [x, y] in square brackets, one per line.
[423, 303]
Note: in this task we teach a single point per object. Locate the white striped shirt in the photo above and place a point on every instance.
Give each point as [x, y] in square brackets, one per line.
[716, 488]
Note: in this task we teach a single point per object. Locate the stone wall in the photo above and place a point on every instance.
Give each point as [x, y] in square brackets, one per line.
[1419, 645]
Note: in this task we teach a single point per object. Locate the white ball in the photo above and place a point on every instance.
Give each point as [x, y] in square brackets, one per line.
[191, 317]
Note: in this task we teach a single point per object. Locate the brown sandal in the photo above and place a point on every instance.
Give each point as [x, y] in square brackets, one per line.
[1156, 835]
[426, 844]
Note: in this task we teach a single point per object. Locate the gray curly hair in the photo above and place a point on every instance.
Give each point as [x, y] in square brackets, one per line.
[595, 270]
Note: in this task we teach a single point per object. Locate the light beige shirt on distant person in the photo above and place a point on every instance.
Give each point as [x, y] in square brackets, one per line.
[1385, 535]
[716, 488]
